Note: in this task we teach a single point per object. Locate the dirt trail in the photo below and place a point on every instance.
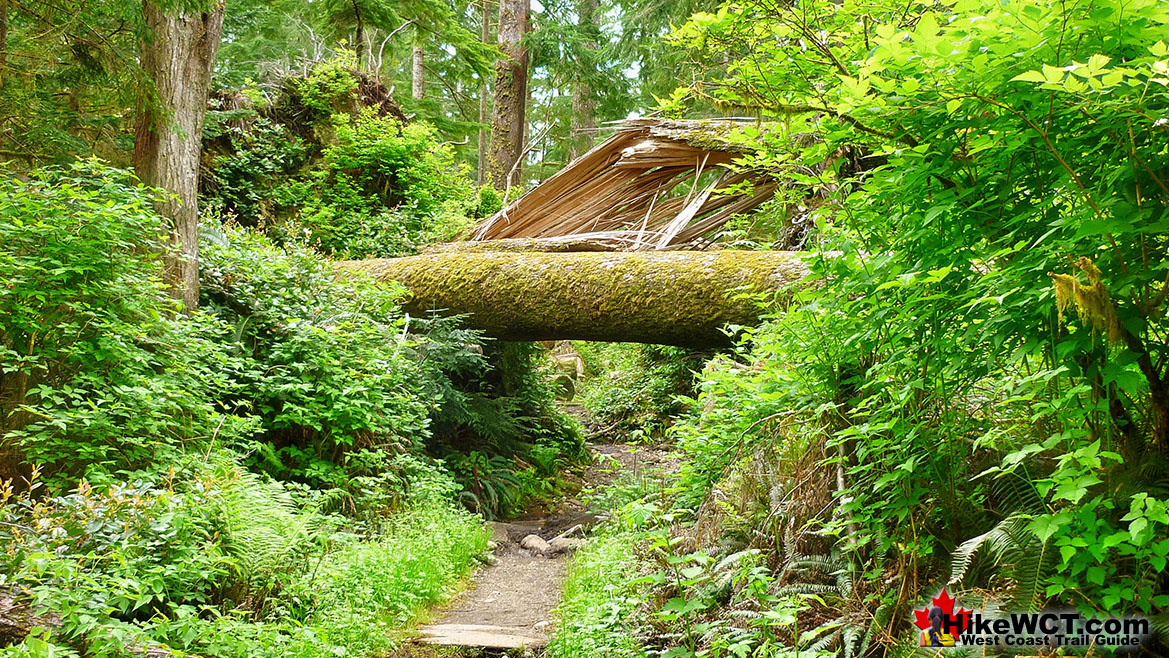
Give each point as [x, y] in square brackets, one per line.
[508, 605]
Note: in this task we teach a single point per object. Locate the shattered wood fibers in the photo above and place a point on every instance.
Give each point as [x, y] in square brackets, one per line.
[641, 186]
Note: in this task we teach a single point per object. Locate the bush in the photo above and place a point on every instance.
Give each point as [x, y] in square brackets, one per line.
[352, 181]
[331, 368]
[633, 389]
[939, 372]
[99, 372]
[176, 562]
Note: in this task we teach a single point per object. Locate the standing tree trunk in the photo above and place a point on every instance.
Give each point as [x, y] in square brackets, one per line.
[511, 96]
[358, 32]
[3, 39]
[418, 68]
[584, 106]
[177, 58]
[483, 105]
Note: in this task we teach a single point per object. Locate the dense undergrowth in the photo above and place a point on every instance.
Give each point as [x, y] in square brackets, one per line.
[632, 392]
[283, 472]
[974, 395]
[330, 161]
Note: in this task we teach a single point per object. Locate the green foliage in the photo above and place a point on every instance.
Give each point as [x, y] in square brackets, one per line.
[248, 181]
[382, 189]
[596, 613]
[509, 410]
[179, 562]
[347, 175]
[330, 87]
[491, 486]
[632, 388]
[328, 363]
[98, 373]
[422, 555]
[94, 556]
[71, 83]
[1014, 171]
[289, 369]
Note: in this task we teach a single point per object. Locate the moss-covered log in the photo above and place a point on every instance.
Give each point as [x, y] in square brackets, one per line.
[673, 298]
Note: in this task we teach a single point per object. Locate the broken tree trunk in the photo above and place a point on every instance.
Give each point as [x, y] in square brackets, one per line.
[670, 298]
[17, 619]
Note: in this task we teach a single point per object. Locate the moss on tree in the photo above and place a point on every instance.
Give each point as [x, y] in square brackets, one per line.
[673, 298]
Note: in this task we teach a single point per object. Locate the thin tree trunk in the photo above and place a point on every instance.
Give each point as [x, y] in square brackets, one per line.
[3, 39]
[177, 58]
[584, 106]
[359, 32]
[484, 107]
[511, 96]
[418, 68]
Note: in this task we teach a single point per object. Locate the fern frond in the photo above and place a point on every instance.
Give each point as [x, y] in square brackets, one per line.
[262, 525]
[824, 635]
[1029, 569]
[1009, 534]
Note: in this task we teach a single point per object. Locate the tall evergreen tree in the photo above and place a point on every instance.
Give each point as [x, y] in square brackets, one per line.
[177, 57]
[508, 118]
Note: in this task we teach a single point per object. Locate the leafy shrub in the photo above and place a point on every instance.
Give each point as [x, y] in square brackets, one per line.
[490, 484]
[632, 388]
[158, 563]
[99, 373]
[938, 371]
[248, 174]
[330, 367]
[361, 183]
[103, 558]
[381, 189]
[330, 87]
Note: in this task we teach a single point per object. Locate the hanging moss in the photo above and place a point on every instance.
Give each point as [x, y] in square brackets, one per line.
[671, 298]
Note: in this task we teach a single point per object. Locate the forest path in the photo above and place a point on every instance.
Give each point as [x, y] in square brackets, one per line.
[508, 605]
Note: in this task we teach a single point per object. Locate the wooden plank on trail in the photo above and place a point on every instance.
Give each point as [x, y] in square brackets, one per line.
[485, 637]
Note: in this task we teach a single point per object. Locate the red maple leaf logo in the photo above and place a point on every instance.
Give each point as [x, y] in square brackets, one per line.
[946, 603]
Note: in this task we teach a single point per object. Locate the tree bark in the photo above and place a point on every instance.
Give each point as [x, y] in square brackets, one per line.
[672, 298]
[177, 58]
[3, 40]
[484, 117]
[584, 106]
[418, 68]
[511, 96]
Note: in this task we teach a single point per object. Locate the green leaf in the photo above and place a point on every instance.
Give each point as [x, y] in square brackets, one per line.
[1052, 74]
[1029, 76]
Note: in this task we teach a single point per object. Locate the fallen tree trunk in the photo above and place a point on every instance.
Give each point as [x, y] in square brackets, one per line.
[17, 619]
[673, 298]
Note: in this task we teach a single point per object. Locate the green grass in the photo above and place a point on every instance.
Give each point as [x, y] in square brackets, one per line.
[595, 613]
[367, 592]
[357, 597]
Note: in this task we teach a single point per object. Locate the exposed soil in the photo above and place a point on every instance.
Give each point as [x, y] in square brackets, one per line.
[507, 608]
